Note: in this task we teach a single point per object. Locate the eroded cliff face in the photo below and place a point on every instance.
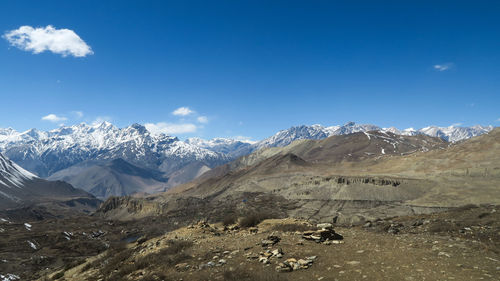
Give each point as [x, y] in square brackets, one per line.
[347, 198]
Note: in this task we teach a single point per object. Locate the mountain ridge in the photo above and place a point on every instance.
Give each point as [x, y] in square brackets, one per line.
[20, 188]
[45, 153]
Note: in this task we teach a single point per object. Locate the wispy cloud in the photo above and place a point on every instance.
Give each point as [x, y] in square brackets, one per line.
[59, 41]
[244, 139]
[100, 119]
[182, 111]
[202, 119]
[498, 120]
[77, 114]
[170, 128]
[443, 67]
[54, 118]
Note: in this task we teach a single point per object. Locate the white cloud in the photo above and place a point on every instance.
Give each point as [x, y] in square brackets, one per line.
[202, 119]
[244, 139]
[54, 118]
[182, 111]
[443, 67]
[498, 120]
[77, 114]
[59, 41]
[170, 128]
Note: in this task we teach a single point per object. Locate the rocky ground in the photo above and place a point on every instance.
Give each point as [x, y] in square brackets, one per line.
[32, 244]
[463, 244]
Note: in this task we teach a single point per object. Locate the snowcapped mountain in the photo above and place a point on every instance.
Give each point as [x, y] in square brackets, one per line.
[455, 133]
[314, 132]
[45, 153]
[12, 175]
[230, 147]
[19, 187]
[285, 137]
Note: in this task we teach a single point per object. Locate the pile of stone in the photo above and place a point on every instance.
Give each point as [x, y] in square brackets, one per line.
[292, 264]
[325, 235]
[205, 227]
[209, 264]
[265, 257]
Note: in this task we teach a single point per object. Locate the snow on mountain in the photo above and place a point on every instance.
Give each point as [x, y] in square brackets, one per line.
[47, 152]
[451, 134]
[285, 137]
[12, 175]
[314, 132]
[455, 133]
[19, 187]
[230, 147]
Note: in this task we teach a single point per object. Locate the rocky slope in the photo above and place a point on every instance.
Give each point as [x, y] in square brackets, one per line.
[20, 188]
[112, 178]
[461, 244]
[348, 177]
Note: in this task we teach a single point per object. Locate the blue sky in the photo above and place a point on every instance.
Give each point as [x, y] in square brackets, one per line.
[250, 68]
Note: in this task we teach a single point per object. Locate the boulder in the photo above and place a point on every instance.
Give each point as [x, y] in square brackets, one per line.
[270, 241]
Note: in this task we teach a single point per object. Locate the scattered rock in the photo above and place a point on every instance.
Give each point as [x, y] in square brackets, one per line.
[270, 241]
[444, 254]
[264, 260]
[277, 253]
[292, 264]
[181, 266]
[324, 225]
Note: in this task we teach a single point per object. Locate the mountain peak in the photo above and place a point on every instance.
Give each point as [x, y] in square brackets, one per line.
[11, 174]
[141, 129]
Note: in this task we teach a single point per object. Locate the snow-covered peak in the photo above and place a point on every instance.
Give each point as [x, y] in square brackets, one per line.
[455, 133]
[11, 174]
[229, 147]
[315, 132]
[285, 137]
[47, 152]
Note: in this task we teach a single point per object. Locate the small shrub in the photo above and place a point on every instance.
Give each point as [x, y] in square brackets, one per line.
[176, 246]
[229, 219]
[58, 275]
[466, 207]
[253, 219]
[442, 227]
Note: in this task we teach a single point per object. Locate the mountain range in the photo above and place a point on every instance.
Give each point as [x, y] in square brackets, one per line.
[59, 153]
[346, 178]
